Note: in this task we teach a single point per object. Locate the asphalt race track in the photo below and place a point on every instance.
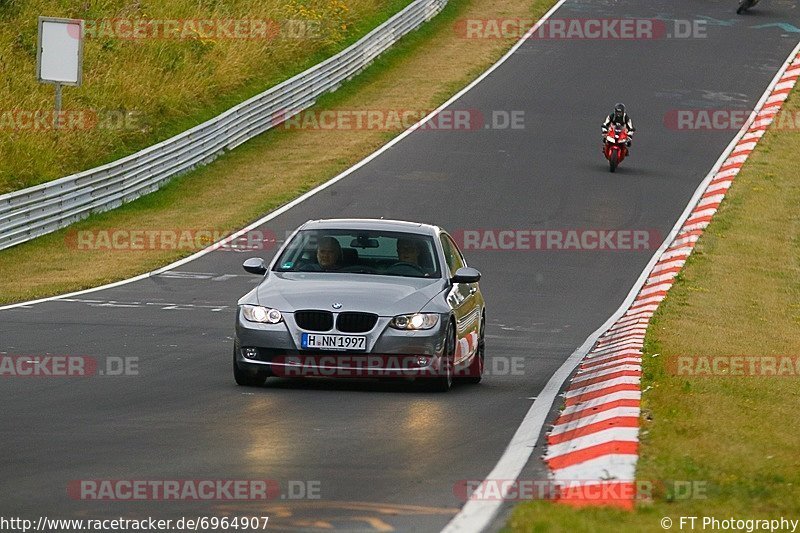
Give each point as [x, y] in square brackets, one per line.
[388, 455]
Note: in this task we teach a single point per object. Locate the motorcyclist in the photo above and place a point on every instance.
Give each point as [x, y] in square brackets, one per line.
[618, 117]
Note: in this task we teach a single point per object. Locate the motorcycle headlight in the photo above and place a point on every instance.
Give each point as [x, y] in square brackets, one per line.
[415, 321]
[264, 315]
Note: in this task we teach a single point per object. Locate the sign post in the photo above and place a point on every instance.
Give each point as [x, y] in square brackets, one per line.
[59, 56]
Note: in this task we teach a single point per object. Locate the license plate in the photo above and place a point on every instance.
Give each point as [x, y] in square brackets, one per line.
[333, 342]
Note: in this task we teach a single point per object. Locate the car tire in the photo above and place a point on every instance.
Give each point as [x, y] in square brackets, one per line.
[443, 381]
[247, 378]
[475, 372]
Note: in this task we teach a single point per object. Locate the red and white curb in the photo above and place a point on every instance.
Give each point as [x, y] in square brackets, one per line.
[595, 440]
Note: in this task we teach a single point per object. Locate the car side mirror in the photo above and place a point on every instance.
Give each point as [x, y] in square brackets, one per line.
[466, 275]
[255, 265]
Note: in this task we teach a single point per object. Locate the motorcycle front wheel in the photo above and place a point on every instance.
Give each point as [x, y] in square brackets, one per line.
[613, 160]
[744, 5]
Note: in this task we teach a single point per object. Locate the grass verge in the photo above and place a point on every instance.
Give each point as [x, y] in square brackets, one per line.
[140, 90]
[275, 167]
[734, 438]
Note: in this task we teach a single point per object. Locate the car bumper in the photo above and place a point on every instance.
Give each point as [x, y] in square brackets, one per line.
[389, 353]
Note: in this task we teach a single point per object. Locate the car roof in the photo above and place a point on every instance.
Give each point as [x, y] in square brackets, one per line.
[372, 224]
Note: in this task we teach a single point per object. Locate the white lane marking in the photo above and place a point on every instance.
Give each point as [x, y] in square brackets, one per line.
[141, 305]
[176, 274]
[115, 304]
[477, 514]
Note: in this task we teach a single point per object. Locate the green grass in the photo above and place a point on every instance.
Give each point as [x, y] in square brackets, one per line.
[738, 294]
[146, 90]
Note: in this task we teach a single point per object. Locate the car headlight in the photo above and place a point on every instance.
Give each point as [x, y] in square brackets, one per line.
[265, 315]
[415, 321]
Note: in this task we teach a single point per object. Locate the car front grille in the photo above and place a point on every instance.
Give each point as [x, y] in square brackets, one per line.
[353, 322]
[314, 320]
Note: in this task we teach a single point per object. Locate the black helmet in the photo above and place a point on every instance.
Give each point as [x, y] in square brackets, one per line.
[619, 110]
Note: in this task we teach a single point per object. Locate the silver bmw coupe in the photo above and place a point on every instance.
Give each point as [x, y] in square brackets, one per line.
[362, 298]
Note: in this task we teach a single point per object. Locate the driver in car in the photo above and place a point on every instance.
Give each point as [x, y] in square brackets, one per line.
[329, 253]
[408, 251]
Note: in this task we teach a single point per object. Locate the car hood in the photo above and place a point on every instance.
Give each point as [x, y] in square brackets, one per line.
[382, 295]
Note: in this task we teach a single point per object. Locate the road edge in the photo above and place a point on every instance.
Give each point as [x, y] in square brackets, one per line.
[593, 446]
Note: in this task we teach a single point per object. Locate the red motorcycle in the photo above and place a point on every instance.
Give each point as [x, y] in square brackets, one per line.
[615, 145]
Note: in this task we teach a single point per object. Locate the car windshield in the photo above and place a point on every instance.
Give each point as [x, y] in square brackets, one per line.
[361, 252]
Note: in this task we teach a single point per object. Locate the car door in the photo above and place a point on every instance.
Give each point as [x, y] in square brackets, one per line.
[462, 299]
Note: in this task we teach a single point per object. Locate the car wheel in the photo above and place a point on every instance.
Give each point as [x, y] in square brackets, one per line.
[475, 373]
[247, 378]
[444, 379]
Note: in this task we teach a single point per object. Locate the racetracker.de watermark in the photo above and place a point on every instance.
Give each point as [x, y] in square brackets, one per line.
[734, 365]
[729, 119]
[401, 119]
[70, 119]
[212, 29]
[526, 239]
[581, 28]
[193, 489]
[187, 239]
[347, 365]
[579, 490]
[66, 366]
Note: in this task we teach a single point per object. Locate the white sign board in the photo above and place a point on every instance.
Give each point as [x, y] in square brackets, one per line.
[59, 56]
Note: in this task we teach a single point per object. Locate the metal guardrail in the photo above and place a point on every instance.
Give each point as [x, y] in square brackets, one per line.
[44, 208]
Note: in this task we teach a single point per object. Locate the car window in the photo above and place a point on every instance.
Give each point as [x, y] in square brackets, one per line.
[451, 254]
[387, 247]
[362, 252]
[460, 256]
